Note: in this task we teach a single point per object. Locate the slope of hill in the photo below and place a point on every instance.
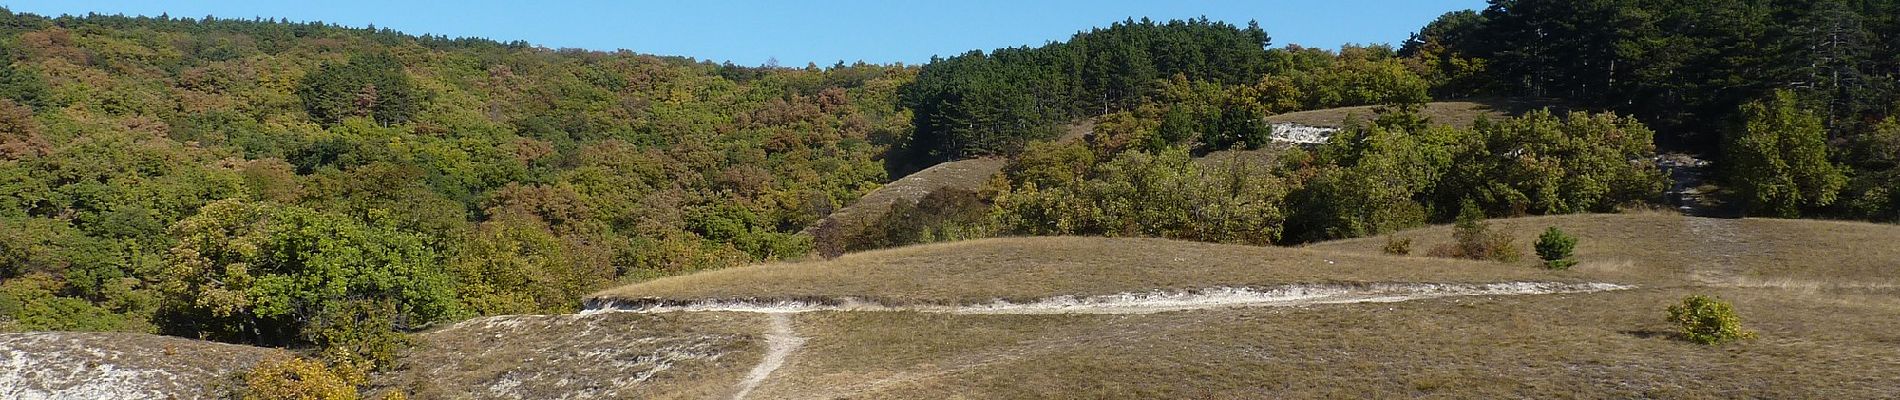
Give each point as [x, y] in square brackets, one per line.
[598, 356]
[1808, 302]
[1026, 269]
[1669, 249]
[966, 175]
[1349, 321]
[103, 366]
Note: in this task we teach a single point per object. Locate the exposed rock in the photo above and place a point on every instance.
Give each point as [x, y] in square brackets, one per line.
[104, 366]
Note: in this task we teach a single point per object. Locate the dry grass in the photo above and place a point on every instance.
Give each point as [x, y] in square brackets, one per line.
[968, 175]
[1600, 345]
[1821, 294]
[1265, 157]
[611, 355]
[1454, 113]
[1037, 267]
[1668, 249]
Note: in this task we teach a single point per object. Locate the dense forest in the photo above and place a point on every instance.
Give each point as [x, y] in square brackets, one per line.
[994, 103]
[305, 184]
[1796, 99]
[282, 183]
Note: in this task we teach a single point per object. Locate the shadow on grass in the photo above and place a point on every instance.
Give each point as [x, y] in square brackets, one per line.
[1650, 334]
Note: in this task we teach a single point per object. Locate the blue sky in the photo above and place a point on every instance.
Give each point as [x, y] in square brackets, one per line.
[751, 32]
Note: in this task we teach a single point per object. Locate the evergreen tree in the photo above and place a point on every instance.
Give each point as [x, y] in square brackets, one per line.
[372, 86]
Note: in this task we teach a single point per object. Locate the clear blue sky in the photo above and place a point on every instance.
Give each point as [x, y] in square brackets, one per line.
[750, 32]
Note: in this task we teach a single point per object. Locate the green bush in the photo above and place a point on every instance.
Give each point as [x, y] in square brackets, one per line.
[298, 378]
[943, 215]
[1707, 320]
[1555, 247]
[1397, 246]
[363, 335]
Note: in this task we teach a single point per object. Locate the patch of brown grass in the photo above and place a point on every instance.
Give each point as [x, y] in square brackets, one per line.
[968, 175]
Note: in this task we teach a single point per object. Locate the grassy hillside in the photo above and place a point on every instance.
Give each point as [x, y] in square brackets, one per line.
[1668, 249]
[403, 204]
[1821, 296]
[1813, 290]
[1601, 345]
[965, 175]
[1038, 267]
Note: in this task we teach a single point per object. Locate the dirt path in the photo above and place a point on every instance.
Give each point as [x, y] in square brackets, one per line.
[780, 342]
[1690, 190]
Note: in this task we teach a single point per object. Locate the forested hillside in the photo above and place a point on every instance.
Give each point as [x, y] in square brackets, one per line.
[1795, 99]
[303, 184]
[990, 103]
[278, 183]
[1189, 88]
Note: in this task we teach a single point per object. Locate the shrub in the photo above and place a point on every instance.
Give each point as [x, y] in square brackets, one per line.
[828, 239]
[1707, 320]
[1473, 239]
[358, 335]
[296, 378]
[1555, 247]
[1164, 195]
[1397, 246]
[943, 215]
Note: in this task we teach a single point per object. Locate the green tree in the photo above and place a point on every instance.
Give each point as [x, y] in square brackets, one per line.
[1874, 190]
[1778, 160]
[1154, 195]
[1369, 180]
[22, 86]
[259, 272]
[1541, 163]
[1554, 248]
[514, 264]
[371, 86]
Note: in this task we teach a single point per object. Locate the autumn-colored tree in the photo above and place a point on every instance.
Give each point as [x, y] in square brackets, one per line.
[19, 133]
